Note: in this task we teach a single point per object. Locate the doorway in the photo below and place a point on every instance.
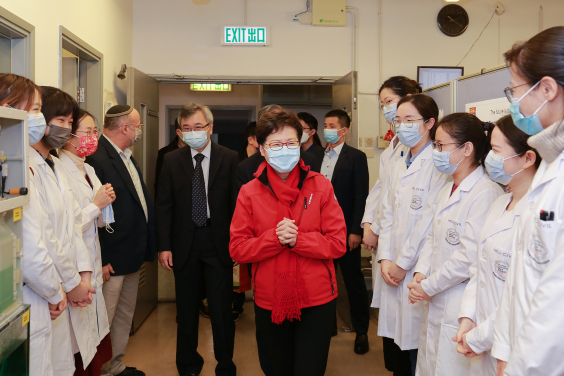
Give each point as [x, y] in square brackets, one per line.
[17, 45]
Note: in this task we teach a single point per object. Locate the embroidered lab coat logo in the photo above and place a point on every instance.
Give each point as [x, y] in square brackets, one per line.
[452, 237]
[416, 202]
[537, 250]
[500, 270]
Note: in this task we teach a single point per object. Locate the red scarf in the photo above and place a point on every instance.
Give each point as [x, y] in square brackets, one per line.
[290, 295]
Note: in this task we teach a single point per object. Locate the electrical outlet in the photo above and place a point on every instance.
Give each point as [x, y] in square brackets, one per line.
[369, 142]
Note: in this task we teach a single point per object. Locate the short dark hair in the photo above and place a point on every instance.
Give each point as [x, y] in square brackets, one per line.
[309, 119]
[58, 103]
[343, 117]
[177, 124]
[81, 115]
[250, 130]
[516, 138]
[427, 108]
[401, 85]
[272, 122]
[464, 127]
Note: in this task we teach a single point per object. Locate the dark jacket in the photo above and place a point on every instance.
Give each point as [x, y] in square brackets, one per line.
[317, 151]
[175, 227]
[160, 158]
[350, 182]
[133, 240]
[247, 168]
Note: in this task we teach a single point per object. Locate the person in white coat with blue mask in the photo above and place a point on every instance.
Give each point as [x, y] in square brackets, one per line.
[529, 325]
[511, 162]
[461, 145]
[412, 189]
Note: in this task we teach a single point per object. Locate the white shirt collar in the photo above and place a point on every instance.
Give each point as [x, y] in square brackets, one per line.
[336, 149]
[206, 152]
[127, 152]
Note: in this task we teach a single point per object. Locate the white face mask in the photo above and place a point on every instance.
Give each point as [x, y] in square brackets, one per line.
[305, 138]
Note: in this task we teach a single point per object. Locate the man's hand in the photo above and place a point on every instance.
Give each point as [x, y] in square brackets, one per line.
[354, 241]
[165, 259]
[396, 273]
[501, 367]
[385, 267]
[106, 270]
[80, 293]
[369, 239]
[287, 232]
[416, 293]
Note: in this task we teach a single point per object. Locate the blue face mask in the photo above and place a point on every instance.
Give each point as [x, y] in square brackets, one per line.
[441, 159]
[494, 167]
[390, 112]
[409, 136]
[36, 125]
[283, 160]
[331, 135]
[196, 140]
[108, 216]
[531, 125]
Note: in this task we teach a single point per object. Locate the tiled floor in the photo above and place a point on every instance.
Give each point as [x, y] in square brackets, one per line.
[153, 348]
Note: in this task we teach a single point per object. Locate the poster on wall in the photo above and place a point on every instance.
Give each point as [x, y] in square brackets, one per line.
[490, 110]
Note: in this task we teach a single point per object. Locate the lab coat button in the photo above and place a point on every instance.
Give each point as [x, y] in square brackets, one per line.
[397, 227]
[403, 185]
[482, 284]
[434, 249]
[484, 254]
[531, 205]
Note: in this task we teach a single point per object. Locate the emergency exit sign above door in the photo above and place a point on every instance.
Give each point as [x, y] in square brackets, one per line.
[245, 36]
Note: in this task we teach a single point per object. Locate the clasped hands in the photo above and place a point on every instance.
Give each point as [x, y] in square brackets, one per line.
[80, 296]
[416, 293]
[391, 272]
[287, 232]
[462, 346]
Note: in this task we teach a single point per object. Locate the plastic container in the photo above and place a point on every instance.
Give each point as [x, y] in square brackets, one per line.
[7, 265]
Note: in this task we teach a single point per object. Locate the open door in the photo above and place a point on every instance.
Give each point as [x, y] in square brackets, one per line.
[143, 95]
[345, 98]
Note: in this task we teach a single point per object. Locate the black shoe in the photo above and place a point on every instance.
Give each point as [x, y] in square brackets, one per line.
[237, 311]
[204, 311]
[131, 371]
[361, 344]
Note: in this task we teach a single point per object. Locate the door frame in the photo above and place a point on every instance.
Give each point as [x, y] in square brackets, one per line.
[26, 31]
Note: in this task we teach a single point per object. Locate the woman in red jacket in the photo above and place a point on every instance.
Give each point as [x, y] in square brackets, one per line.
[288, 224]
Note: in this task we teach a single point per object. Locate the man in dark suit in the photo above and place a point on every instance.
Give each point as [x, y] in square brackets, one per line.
[175, 144]
[310, 139]
[133, 239]
[195, 205]
[347, 168]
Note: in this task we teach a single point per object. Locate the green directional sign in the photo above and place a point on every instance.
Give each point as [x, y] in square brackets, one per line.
[245, 36]
[210, 87]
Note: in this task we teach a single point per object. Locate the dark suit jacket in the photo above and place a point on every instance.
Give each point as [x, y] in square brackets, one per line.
[175, 228]
[247, 168]
[160, 158]
[317, 151]
[133, 240]
[350, 182]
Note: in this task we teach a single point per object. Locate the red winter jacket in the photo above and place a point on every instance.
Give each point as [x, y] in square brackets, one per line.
[321, 235]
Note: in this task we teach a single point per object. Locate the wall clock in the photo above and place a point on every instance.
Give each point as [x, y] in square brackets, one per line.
[453, 20]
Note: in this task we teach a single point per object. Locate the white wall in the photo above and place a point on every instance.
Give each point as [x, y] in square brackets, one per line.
[107, 25]
[181, 37]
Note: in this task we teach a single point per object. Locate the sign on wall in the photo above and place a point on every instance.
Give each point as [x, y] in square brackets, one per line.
[245, 36]
[490, 110]
[210, 87]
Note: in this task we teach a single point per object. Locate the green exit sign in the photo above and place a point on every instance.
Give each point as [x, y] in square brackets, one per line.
[210, 87]
[245, 36]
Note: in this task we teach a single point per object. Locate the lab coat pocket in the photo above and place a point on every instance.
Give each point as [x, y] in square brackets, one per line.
[449, 361]
[540, 247]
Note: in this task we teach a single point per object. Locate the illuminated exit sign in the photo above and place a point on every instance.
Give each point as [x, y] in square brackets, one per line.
[245, 36]
[210, 87]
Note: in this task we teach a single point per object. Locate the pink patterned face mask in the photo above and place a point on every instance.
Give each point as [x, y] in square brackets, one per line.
[88, 145]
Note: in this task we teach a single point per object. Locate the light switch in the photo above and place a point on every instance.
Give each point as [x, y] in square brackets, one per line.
[369, 142]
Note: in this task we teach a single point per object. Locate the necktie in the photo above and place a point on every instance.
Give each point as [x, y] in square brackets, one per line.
[199, 203]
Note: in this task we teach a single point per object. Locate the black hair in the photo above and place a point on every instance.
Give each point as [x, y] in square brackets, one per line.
[516, 138]
[401, 86]
[427, 108]
[343, 117]
[250, 130]
[81, 115]
[177, 125]
[312, 122]
[464, 127]
[58, 103]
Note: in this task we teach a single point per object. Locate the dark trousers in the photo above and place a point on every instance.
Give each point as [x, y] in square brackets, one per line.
[356, 289]
[263, 358]
[400, 362]
[203, 260]
[300, 347]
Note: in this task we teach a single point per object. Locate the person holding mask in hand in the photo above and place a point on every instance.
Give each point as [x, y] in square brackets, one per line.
[461, 145]
[413, 186]
[289, 225]
[511, 162]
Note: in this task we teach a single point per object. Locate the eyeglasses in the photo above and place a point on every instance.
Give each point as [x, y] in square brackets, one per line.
[195, 129]
[275, 145]
[89, 133]
[135, 126]
[439, 146]
[409, 122]
[387, 102]
[309, 129]
[509, 94]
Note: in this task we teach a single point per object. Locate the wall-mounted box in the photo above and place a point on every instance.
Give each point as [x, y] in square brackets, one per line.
[329, 13]
[382, 144]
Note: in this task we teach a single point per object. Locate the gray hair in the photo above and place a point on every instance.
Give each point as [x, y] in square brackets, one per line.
[191, 108]
[267, 108]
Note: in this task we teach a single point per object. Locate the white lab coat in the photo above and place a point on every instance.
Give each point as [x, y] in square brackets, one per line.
[61, 218]
[529, 330]
[406, 222]
[487, 278]
[91, 216]
[41, 286]
[446, 257]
